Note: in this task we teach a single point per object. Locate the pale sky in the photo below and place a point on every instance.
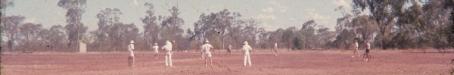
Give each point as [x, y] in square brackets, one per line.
[272, 14]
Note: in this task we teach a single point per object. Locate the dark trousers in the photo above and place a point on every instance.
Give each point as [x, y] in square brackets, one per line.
[130, 61]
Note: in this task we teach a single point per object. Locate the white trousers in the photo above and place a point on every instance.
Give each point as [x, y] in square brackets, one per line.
[247, 59]
[207, 54]
[156, 51]
[168, 59]
[203, 55]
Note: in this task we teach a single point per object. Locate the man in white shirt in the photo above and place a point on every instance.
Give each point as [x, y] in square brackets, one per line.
[356, 48]
[366, 53]
[206, 53]
[275, 49]
[156, 48]
[229, 49]
[131, 54]
[168, 58]
[247, 54]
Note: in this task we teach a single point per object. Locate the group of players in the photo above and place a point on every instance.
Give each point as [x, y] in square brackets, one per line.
[206, 53]
[365, 55]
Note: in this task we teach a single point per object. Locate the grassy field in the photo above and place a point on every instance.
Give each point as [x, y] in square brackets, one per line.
[326, 62]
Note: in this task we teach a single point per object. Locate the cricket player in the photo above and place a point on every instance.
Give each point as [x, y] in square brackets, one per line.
[366, 53]
[206, 53]
[229, 49]
[247, 54]
[356, 48]
[168, 58]
[275, 49]
[156, 48]
[131, 54]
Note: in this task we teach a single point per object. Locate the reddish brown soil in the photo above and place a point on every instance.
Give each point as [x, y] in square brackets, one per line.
[334, 62]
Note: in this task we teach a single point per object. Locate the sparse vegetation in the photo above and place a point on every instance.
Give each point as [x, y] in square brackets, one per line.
[391, 24]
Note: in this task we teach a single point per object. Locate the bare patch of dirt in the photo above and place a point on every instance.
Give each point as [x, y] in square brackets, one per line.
[264, 63]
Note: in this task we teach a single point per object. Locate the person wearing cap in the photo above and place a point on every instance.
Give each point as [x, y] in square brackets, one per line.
[168, 58]
[131, 54]
[206, 53]
[247, 54]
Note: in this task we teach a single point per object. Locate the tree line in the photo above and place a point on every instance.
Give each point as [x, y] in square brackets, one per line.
[390, 24]
[398, 24]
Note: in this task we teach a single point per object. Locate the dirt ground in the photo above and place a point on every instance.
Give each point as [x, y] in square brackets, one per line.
[326, 62]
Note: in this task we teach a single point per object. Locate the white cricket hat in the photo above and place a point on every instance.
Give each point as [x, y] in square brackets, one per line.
[132, 41]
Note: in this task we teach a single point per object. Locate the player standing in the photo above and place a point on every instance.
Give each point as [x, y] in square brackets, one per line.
[356, 48]
[168, 58]
[131, 54]
[366, 53]
[206, 53]
[155, 49]
[247, 54]
[275, 49]
[229, 49]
